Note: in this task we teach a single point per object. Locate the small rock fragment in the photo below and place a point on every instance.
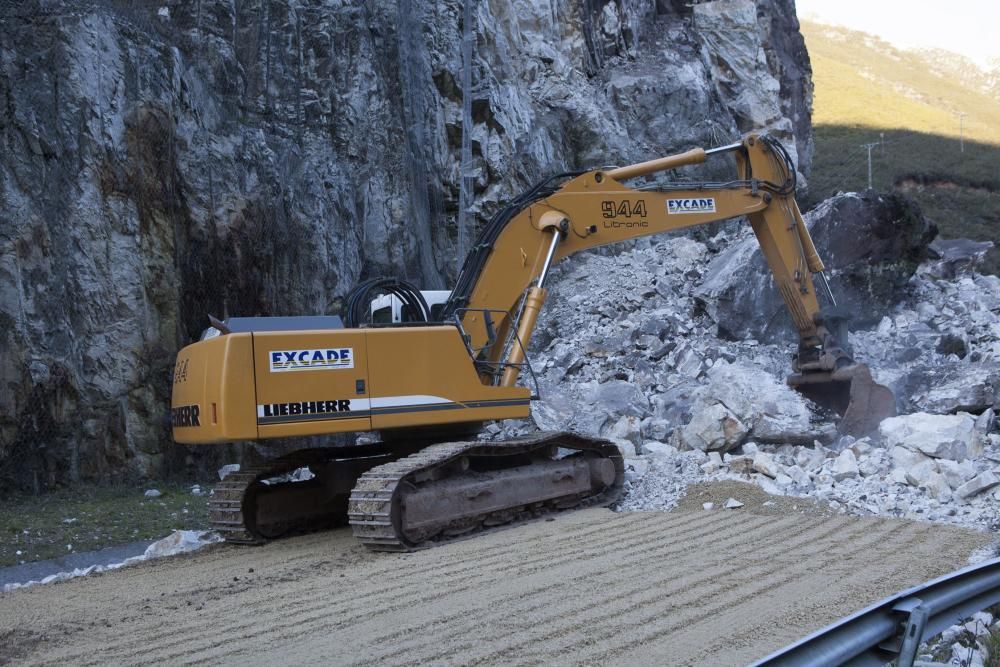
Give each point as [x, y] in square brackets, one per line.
[978, 484]
[732, 504]
[846, 466]
[765, 465]
[228, 469]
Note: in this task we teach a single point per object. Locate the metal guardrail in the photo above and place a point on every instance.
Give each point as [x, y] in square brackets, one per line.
[894, 628]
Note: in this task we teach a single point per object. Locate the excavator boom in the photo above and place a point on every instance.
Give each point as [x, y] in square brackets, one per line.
[597, 208]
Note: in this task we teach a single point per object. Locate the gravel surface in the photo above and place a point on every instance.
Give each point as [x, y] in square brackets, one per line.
[692, 586]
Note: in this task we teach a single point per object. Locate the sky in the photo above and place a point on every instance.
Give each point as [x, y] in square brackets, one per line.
[968, 27]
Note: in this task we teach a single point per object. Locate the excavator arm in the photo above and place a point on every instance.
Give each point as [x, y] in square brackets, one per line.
[507, 273]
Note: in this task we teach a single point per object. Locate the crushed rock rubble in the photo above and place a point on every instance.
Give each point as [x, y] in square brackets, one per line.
[962, 644]
[623, 350]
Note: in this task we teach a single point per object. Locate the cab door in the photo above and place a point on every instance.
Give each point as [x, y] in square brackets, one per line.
[311, 382]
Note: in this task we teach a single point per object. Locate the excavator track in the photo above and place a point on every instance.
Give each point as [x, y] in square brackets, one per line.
[454, 489]
[295, 506]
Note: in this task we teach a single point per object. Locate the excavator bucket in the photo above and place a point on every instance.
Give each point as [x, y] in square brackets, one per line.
[851, 392]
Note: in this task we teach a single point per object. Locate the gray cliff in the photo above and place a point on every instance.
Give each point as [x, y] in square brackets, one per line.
[164, 160]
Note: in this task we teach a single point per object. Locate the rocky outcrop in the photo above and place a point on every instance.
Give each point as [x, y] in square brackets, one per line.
[165, 160]
[765, 73]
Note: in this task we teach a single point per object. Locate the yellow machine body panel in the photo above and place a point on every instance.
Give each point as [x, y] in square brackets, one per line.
[299, 383]
[213, 393]
[311, 382]
[423, 375]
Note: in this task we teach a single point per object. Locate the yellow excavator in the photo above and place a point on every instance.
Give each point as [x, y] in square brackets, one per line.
[448, 368]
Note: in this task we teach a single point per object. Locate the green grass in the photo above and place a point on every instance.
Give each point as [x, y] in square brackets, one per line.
[92, 517]
[958, 191]
[992, 642]
[866, 91]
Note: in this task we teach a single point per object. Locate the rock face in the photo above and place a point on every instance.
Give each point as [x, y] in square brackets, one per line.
[764, 73]
[866, 278]
[165, 160]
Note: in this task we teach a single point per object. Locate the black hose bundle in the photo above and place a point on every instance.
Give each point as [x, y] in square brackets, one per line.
[779, 156]
[474, 262]
[778, 149]
[357, 306]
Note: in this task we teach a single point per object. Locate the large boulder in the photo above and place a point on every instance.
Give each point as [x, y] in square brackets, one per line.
[958, 388]
[713, 428]
[870, 243]
[954, 257]
[768, 409]
[954, 437]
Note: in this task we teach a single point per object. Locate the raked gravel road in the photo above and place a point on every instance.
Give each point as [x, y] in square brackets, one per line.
[718, 587]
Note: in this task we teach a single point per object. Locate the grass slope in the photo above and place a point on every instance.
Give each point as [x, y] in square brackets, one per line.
[861, 80]
[867, 91]
[92, 517]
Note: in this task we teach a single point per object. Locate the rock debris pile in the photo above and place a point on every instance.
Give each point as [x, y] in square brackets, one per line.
[627, 349]
[965, 643]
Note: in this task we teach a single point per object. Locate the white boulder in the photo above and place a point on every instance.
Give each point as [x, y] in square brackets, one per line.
[978, 484]
[625, 447]
[712, 428]
[921, 473]
[798, 475]
[626, 428]
[897, 476]
[770, 409]
[228, 469]
[636, 469]
[952, 437]
[846, 466]
[766, 465]
[905, 459]
[810, 458]
[955, 473]
[658, 449]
